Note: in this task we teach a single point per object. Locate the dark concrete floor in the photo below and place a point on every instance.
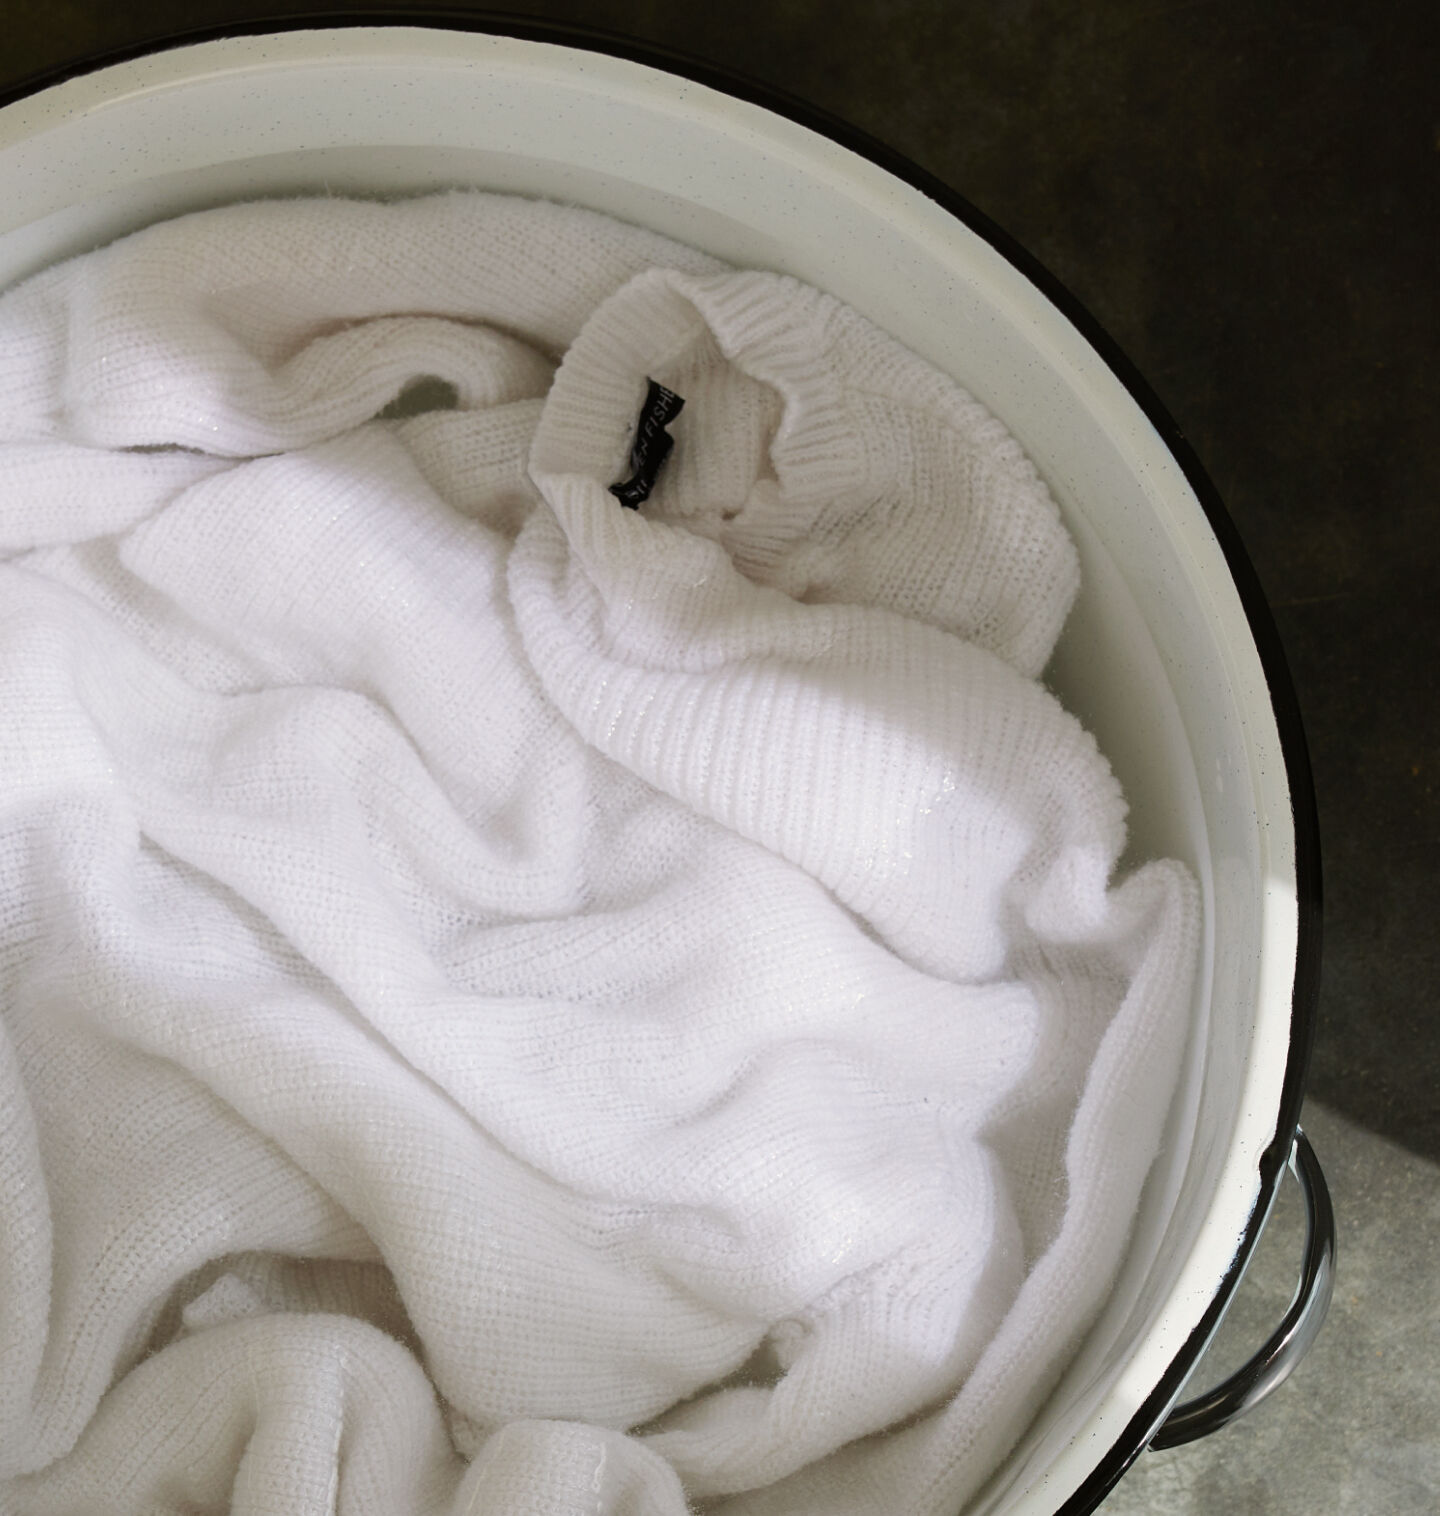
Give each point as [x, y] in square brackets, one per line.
[1246, 194]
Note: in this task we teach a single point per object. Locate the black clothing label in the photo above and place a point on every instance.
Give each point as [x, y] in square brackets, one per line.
[651, 446]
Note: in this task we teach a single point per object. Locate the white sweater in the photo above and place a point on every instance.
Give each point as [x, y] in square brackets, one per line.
[511, 1004]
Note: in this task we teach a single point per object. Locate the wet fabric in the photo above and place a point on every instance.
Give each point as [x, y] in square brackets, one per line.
[511, 1003]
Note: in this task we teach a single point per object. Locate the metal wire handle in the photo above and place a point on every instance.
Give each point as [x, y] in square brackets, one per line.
[1275, 1362]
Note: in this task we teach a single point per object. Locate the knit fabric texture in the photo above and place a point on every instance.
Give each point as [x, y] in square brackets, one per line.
[512, 1005]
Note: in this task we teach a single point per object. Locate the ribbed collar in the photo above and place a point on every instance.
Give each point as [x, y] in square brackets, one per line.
[771, 328]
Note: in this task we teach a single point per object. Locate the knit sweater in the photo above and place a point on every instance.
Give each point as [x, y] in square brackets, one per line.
[511, 1003]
